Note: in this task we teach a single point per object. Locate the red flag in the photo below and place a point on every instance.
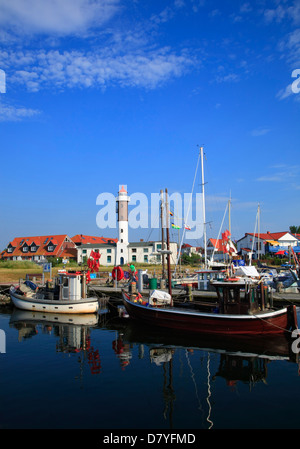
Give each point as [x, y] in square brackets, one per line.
[225, 235]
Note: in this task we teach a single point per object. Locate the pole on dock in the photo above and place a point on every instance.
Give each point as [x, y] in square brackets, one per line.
[140, 281]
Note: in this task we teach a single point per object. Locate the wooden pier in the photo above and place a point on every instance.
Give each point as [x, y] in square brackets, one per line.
[178, 294]
[193, 295]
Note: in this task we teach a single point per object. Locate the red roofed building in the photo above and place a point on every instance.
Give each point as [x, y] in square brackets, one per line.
[80, 239]
[38, 248]
[262, 242]
[216, 248]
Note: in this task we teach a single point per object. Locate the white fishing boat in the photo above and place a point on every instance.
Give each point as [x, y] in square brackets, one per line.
[68, 295]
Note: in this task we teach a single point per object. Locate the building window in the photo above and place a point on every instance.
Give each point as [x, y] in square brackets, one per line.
[33, 249]
[121, 240]
[108, 259]
[121, 250]
[158, 246]
[109, 251]
[146, 250]
[134, 250]
[133, 258]
[145, 258]
[50, 248]
[84, 251]
[25, 249]
[121, 230]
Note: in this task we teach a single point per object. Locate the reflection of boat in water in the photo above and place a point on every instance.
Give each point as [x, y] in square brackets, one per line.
[84, 319]
[274, 347]
[72, 331]
[68, 295]
[244, 360]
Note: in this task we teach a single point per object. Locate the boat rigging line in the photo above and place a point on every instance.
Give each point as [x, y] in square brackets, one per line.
[188, 210]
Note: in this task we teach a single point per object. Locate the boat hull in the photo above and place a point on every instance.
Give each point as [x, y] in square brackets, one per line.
[88, 305]
[275, 322]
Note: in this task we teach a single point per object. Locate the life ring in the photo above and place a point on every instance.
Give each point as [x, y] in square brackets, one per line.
[117, 273]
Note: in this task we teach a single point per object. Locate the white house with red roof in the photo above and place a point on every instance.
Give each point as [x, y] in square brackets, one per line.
[218, 250]
[188, 249]
[265, 242]
[38, 248]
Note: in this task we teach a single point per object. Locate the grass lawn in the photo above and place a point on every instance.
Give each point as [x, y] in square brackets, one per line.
[12, 271]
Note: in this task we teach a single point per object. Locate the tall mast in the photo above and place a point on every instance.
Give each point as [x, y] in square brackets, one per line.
[229, 214]
[229, 225]
[258, 231]
[168, 245]
[162, 233]
[203, 208]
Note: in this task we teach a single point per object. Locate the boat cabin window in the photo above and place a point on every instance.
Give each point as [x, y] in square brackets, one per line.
[65, 282]
[65, 288]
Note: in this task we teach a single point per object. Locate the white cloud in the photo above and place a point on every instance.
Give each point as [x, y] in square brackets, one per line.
[70, 69]
[290, 47]
[245, 8]
[55, 16]
[260, 132]
[281, 173]
[230, 77]
[284, 11]
[284, 93]
[9, 113]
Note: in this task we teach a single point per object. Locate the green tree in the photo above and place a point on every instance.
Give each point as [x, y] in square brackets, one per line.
[193, 259]
[295, 229]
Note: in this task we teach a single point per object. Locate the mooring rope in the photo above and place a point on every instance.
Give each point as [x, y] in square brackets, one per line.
[272, 324]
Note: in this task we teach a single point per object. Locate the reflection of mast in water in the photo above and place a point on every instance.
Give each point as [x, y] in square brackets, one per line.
[164, 356]
[187, 351]
[209, 392]
[168, 391]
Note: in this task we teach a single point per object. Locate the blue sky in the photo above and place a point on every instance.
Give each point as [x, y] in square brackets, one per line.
[102, 93]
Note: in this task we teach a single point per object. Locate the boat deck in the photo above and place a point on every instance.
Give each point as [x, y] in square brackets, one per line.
[197, 295]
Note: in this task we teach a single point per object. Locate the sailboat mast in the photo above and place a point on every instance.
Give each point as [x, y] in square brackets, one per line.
[162, 233]
[258, 231]
[203, 209]
[229, 226]
[168, 245]
[229, 214]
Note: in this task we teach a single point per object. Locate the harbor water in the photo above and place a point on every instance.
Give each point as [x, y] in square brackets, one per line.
[105, 372]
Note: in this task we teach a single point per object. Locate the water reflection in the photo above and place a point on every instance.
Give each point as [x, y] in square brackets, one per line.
[72, 333]
[236, 360]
